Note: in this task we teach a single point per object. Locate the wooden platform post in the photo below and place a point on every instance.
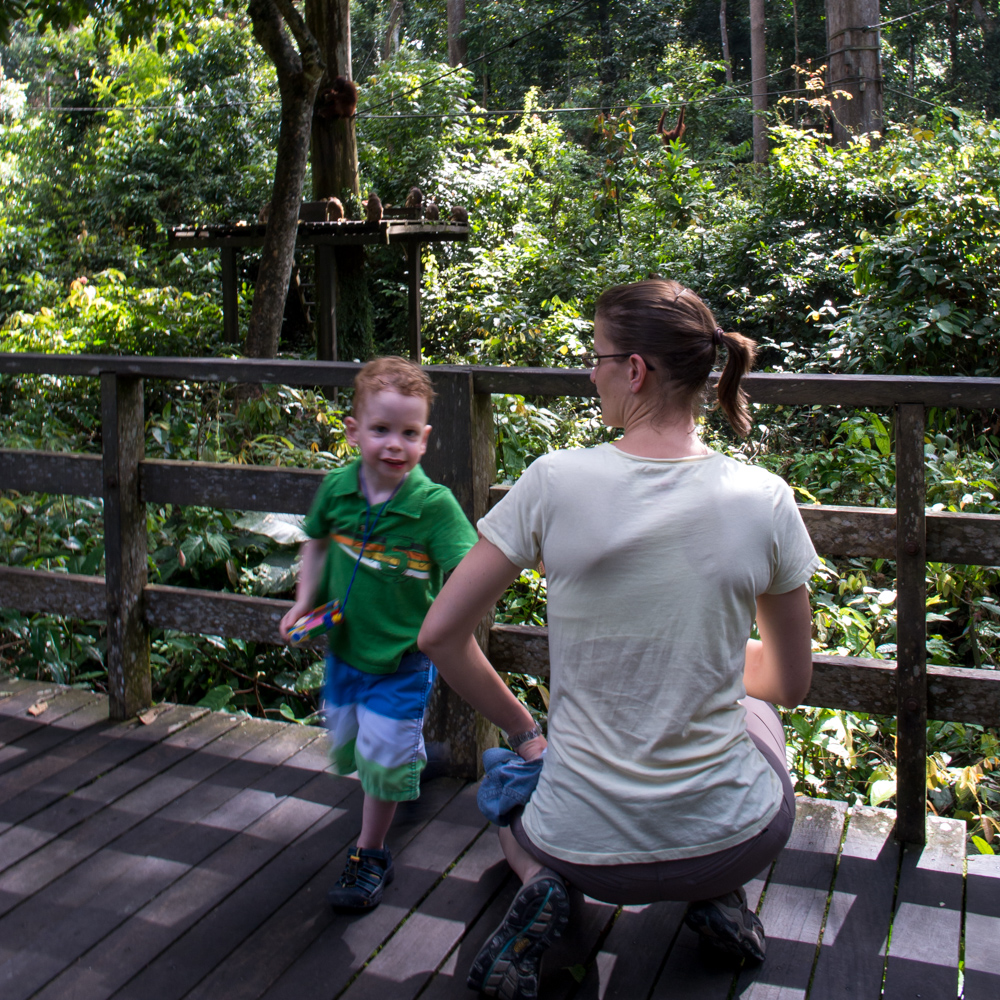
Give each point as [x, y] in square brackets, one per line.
[122, 427]
[326, 303]
[230, 296]
[460, 454]
[911, 627]
[413, 274]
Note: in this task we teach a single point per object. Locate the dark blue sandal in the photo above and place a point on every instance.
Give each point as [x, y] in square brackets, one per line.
[507, 966]
[365, 876]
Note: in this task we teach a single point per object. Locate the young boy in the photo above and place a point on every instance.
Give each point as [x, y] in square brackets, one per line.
[382, 538]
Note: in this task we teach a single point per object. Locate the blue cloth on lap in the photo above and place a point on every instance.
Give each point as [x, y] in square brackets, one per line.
[507, 784]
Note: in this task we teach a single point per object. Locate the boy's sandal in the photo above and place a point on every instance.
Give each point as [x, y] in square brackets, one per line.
[363, 880]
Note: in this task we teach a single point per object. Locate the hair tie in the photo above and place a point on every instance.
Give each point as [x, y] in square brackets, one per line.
[718, 336]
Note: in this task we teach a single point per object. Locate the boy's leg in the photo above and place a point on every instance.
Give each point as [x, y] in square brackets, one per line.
[376, 818]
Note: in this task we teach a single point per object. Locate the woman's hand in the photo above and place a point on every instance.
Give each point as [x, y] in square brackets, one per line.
[779, 666]
[447, 637]
[532, 749]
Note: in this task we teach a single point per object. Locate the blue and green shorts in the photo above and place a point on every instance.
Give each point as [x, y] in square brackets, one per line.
[376, 724]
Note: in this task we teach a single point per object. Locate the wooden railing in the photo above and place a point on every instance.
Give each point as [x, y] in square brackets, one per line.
[461, 456]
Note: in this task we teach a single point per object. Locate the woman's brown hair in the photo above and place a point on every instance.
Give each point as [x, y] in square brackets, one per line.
[669, 326]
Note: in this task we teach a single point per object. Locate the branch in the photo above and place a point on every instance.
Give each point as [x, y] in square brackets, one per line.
[309, 50]
[269, 30]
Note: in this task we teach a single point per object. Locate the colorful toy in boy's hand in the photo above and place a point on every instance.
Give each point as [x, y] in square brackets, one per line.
[317, 622]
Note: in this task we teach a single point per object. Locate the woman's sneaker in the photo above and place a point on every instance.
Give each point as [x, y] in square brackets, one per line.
[365, 876]
[727, 923]
[507, 965]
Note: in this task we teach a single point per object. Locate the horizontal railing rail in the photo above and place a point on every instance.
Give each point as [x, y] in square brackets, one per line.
[461, 456]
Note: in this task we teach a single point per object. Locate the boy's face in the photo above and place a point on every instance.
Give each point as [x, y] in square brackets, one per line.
[391, 433]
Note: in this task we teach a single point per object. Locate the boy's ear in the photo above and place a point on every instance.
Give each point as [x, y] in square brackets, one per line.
[351, 431]
[423, 440]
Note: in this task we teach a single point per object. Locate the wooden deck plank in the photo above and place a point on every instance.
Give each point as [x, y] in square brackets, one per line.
[629, 961]
[198, 952]
[449, 981]
[982, 928]
[68, 713]
[193, 871]
[795, 901]
[415, 951]
[147, 804]
[345, 943]
[289, 931]
[693, 972]
[61, 804]
[77, 762]
[589, 921]
[927, 924]
[852, 956]
[97, 896]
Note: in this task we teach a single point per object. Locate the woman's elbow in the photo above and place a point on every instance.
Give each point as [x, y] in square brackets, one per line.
[796, 685]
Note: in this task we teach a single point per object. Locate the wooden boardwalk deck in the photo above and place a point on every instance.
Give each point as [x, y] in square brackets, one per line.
[189, 857]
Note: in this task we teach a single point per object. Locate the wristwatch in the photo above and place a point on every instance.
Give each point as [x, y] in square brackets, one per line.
[516, 739]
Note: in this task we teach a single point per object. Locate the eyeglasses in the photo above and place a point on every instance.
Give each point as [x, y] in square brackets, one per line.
[592, 360]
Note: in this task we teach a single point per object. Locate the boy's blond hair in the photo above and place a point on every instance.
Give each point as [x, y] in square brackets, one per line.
[395, 373]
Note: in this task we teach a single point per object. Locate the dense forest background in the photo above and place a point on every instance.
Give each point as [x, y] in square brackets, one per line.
[879, 257]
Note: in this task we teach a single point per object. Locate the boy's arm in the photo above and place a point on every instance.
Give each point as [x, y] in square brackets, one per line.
[310, 572]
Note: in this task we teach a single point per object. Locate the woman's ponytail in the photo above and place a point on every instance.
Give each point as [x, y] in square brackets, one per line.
[740, 353]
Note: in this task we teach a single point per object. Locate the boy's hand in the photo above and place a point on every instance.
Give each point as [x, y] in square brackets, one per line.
[297, 610]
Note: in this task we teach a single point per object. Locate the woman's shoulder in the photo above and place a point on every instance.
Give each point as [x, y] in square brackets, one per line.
[744, 476]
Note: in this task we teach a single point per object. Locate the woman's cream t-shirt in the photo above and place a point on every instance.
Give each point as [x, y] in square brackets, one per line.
[653, 568]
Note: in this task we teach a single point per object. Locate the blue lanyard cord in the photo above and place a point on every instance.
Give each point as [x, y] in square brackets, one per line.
[367, 532]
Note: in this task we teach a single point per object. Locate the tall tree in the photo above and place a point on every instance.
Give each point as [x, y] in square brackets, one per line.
[334, 140]
[725, 41]
[852, 39]
[758, 74]
[457, 53]
[299, 67]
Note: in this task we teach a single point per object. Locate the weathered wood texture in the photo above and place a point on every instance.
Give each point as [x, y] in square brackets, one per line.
[954, 693]
[982, 928]
[190, 858]
[123, 426]
[37, 592]
[927, 924]
[236, 487]
[464, 461]
[834, 390]
[209, 613]
[911, 626]
[50, 472]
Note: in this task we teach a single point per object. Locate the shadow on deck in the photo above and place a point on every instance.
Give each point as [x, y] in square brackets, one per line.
[189, 856]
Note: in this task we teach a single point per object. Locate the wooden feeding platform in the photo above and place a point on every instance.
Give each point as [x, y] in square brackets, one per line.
[187, 854]
[399, 226]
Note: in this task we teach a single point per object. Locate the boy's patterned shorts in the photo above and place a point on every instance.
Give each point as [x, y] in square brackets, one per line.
[376, 724]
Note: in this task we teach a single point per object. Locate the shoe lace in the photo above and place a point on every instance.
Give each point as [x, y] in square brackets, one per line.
[352, 869]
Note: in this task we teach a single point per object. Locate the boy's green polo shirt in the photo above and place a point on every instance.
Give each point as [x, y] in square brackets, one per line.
[421, 535]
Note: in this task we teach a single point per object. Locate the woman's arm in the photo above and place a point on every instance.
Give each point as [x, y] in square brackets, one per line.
[447, 638]
[779, 665]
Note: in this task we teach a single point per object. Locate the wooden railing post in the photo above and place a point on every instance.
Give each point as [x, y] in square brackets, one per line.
[911, 627]
[122, 427]
[460, 454]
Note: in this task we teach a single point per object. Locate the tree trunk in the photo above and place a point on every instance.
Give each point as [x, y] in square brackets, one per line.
[457, 52]
[391, 44]
[725, 42]
[758, 73]
[855, 67]
[299, 68]
[334, 141]
[986, 23]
